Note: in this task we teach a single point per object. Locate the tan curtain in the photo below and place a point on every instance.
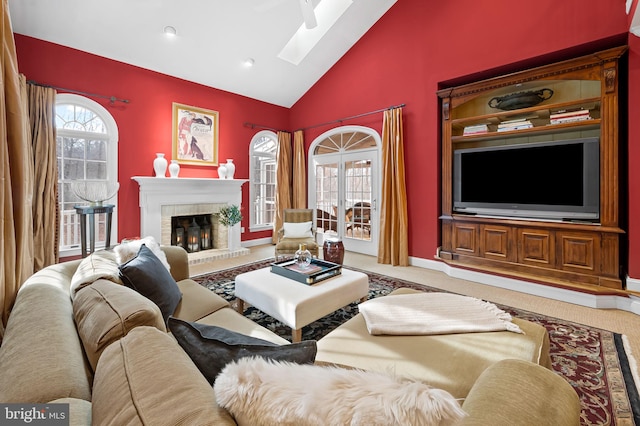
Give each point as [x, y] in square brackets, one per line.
[299, 172]
[283, 180]
[45, 202]
[16, 169]
[393, 247]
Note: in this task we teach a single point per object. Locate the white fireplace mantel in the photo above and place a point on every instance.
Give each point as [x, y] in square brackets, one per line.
[157, 192]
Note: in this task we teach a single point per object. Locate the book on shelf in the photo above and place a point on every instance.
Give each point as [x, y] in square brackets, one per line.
[565, 113]
[569, 119]
[569, 116]
[519, 124]
[475, 129]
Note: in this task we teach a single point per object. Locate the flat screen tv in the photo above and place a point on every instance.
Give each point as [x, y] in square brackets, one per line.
[555, 180]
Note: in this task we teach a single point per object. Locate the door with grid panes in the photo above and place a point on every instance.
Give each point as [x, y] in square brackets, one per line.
[344, 192]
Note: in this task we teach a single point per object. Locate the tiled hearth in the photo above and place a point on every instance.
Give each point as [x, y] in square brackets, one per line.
[163, 198]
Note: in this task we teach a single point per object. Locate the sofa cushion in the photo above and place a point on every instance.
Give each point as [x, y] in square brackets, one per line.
[105, 312]
[146, 378]
[128, 249]
[99, 264]
[265, 392]
[211, 347]
[197, 301]
[50, 363]
[79, 411]
[146, 274]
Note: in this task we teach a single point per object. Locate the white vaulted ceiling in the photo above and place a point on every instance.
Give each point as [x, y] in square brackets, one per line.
[214, 38]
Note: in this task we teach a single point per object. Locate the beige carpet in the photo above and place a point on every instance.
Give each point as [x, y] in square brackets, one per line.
[609, 319]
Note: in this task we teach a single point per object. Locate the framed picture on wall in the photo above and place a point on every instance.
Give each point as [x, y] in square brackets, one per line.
[195, 135]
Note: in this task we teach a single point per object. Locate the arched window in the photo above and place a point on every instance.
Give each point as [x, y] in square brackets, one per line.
[262, 175]
[87, 149]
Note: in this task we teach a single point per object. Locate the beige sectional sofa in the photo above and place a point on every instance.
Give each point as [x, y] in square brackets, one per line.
[147, 378]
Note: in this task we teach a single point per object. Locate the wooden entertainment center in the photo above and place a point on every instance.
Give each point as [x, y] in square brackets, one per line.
[573, 99]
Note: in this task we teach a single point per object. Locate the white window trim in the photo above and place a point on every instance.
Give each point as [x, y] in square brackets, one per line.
[112, 165]
[252, 220]
[311, 174]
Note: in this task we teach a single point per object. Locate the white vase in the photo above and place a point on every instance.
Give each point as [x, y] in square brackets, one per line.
[222, 171]
[160, 165]
[231, 169]
[174, 169]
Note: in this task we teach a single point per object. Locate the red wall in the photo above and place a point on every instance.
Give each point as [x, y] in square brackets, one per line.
[417, 45]
[414, 50]
[145, 124]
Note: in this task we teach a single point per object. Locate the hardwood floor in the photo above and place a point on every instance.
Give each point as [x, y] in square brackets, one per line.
[615, 320]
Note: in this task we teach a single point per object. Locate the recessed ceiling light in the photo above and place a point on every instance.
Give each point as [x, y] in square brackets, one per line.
[248, 63]
[170, 31]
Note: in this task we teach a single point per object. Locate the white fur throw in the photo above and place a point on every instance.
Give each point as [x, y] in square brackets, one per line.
[99, 264]
[261, 392]
[128, 249]
[433, 313]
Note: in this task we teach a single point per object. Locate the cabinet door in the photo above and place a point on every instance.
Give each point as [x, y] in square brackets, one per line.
[579, 251]
[465, 239]
[496, 243]
[536, 247]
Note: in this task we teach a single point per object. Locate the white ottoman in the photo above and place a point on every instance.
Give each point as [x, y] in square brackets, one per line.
[296, 304]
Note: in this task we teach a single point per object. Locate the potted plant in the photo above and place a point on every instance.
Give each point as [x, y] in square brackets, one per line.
[229, 215]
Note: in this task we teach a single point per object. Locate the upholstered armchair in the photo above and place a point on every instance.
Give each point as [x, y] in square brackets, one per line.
[298, 227]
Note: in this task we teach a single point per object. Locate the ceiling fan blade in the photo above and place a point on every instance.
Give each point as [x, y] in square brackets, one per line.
[308, 14]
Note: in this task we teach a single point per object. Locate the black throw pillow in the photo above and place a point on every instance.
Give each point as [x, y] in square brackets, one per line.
[211, 348]
[146, 274]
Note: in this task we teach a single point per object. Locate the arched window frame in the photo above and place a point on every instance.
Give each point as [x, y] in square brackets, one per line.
[259, 180]
[111, 136]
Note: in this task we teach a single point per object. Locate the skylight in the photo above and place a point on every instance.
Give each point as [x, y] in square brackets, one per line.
[304, 40]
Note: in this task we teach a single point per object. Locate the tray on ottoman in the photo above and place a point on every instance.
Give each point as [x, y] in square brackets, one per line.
[319, 270]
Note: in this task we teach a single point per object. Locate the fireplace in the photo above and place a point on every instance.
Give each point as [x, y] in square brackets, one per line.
[165, 202]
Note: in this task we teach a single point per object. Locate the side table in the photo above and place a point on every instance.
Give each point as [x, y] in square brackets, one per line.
[91, 211]
[333, 250]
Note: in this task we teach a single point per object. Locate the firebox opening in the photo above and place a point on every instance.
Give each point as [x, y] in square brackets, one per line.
[193, 232]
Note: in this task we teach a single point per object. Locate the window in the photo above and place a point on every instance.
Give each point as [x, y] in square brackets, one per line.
[86, 146]
[262, 174]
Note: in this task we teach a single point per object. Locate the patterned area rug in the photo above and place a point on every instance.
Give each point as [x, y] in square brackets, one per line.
[594, 361]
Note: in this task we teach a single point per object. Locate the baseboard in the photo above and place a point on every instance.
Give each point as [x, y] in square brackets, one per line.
[629, 304]
[257, 242]
[633, 284]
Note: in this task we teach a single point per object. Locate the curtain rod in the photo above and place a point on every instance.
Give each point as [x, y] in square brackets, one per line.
[340, 120]
[253, 126]
[260, 126]
[112, 99]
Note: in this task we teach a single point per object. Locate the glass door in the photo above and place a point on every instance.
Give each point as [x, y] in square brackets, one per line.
[345, 200]
[360, 227]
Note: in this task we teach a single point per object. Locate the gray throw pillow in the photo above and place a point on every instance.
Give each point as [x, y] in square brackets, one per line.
[211, 348]
[146, 274]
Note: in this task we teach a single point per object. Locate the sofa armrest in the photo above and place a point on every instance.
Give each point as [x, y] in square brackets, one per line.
[178, 260]
[515, 389]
